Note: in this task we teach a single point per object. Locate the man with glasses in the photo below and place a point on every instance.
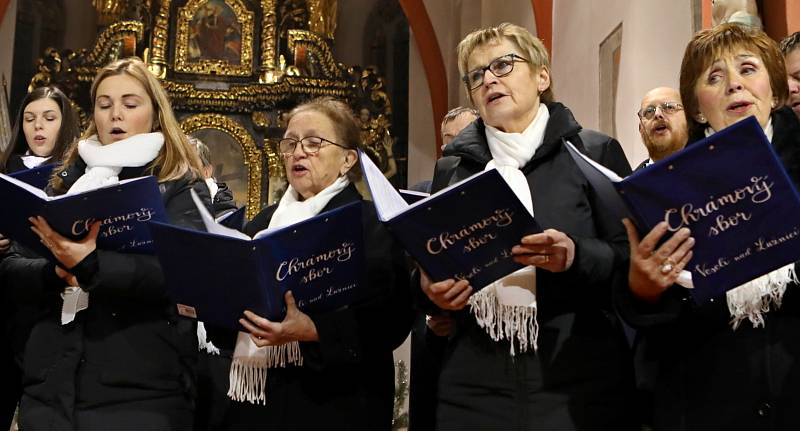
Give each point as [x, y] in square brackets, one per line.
[662, 124]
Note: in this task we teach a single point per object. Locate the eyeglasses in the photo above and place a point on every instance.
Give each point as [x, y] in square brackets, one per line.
[667, 108]
[500, 66]
[309, 144]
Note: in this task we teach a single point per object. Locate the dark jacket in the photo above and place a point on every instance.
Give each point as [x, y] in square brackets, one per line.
[223, 200]
[581, 377]
[126, 361]
[15, 164]
[708, 376]
[347, 378]
[17, 321]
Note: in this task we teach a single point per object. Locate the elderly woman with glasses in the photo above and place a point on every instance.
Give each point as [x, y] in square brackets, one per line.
[732, 363]
[344, 375]
[540, 348]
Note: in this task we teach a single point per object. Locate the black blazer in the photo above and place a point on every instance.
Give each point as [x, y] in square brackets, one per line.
[129, 348]
[708, 376]
[347, 378]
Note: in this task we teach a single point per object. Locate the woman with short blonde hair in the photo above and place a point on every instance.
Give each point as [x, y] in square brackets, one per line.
[539, 349]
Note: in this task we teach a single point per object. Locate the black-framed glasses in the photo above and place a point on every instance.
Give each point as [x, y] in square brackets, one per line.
[309, 144]
[667, 108]
[500, 66]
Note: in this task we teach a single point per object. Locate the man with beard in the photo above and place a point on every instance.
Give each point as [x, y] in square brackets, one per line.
[790, 47]
[662, 124]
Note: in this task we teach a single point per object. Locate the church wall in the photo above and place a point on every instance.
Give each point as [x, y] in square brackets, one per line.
[451, 20]
[654, 36]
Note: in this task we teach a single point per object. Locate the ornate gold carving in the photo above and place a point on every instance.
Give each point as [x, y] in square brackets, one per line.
[260, 119]
[111, 44]
[183, 60]
[73, 72]
[108, 11]
[268, 45]
[250, 152]
[311, 44]
[246, 98]
[293, 65]
[277, 172]
[158, 41]
[322, 17]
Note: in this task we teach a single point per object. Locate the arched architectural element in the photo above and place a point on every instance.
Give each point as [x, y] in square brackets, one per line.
[3, 8]
[431, 55]
[543, 14]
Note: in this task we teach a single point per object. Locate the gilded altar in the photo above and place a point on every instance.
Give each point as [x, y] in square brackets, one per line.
[232, 68]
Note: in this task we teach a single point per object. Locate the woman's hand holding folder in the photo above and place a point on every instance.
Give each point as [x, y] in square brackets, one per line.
[551, 250]
[654, 269]
[68, 252]
[296, 326]
[447, 294]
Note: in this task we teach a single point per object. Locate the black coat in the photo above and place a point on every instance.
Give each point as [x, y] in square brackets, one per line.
[223, 200]
[16, 324]
[708, 376]
[347, 378]
[15, 163]
[581, 377]
[127, 361]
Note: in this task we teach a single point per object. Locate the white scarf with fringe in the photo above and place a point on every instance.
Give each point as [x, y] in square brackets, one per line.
[506, 309]
[756, 297]
[248, 375]
[103, 165]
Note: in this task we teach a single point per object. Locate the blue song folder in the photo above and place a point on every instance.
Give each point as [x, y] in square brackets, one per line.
[215, 276]
[123, 209]
[730, 189]
[411, 196]
[465, 231]
[37, 177]
[235, 219]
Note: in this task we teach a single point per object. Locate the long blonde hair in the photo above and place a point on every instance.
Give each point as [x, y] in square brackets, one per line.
[177, 158]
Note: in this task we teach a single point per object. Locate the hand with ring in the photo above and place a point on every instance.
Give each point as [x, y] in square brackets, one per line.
[653, 270]
[68, 252]
[551, 250]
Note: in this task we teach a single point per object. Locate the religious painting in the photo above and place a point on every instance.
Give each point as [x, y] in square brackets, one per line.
[215, 37]
[235, 159]
[227, 161]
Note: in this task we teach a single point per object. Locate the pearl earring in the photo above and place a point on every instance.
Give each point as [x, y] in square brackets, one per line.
[701, 118]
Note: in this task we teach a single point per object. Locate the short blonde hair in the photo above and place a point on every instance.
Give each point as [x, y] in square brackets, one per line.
[530, 47]
[176, 158]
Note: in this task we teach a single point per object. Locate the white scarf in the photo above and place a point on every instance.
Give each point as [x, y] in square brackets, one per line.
[506, 309]
[757, 296]
[32, 160]
[248, 375]
[103, 164]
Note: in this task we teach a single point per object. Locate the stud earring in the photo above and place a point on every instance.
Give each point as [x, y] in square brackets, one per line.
[701, 118]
